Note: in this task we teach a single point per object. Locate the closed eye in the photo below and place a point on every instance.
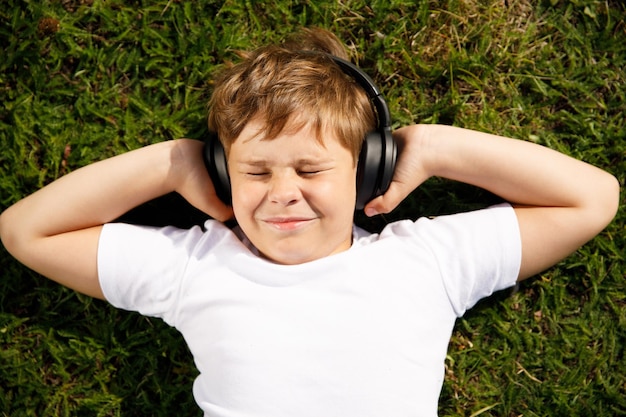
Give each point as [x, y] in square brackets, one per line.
[312, 172]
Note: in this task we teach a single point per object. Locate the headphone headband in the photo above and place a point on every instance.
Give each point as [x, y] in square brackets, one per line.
[374, 94]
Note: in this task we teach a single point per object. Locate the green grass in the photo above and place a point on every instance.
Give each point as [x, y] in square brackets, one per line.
[81, 80]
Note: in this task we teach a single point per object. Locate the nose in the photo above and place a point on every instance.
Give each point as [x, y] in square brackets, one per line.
[284, 189]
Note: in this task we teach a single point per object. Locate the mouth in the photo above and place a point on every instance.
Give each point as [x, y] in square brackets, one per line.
[288, 223]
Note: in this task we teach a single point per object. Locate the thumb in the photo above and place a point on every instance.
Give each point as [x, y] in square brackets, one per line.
[385, 203]
[220, 211]
[210, 203]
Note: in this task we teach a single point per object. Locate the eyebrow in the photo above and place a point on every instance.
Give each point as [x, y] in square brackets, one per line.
[299, 162]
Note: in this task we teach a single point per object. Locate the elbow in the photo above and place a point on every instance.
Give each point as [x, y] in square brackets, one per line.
[597, 207]
[614, 197]
[6, 234]
[9, 234]
[607, 200]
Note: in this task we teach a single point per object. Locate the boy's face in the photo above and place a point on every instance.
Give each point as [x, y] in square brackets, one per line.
[293, 196]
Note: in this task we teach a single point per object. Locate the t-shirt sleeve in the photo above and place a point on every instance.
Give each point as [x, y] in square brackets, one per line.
[140, 268]
[478, 253]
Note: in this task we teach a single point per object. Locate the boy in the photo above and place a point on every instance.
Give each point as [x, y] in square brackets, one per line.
[296, 312]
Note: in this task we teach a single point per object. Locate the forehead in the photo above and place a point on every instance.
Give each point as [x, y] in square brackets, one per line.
[253, 143]
[298, 132]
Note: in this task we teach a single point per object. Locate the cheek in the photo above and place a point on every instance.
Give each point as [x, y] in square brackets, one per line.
[336, 194]
[347, 185]
[246, 197]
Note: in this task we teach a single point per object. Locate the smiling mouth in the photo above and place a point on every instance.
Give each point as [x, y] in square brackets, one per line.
[288, 224]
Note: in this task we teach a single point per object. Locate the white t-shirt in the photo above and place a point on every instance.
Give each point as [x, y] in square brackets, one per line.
[359, 333]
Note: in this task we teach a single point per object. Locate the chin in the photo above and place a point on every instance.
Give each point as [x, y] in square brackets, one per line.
[291, 259]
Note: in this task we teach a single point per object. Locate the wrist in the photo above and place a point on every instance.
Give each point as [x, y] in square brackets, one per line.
[183, 160]
[424, 137]
[446, 149]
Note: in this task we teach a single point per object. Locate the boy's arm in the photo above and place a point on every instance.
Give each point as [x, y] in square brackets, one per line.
[55, 231]
[560, 202]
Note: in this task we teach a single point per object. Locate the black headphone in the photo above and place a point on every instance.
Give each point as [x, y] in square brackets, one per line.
[377, 159]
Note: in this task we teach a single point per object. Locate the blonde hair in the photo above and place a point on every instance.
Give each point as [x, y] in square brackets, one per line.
[291, 85]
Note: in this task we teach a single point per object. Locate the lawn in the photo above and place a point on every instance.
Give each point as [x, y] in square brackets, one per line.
[82, 80]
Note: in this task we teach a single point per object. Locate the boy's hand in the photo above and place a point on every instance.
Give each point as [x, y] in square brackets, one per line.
[411, 169]
[192, 181]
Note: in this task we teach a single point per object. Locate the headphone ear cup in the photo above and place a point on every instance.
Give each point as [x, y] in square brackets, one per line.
[367, 169]
[376, 165]
[388, 161]
[215, 162]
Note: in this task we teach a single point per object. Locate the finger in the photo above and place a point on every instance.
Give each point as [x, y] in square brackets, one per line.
[211, 204]
[387, 202]
[223, 214]
[200, 193]
[216, 208]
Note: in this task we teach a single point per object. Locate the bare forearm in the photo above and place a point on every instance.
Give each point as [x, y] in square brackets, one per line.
[521, 172]
[93, 195]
